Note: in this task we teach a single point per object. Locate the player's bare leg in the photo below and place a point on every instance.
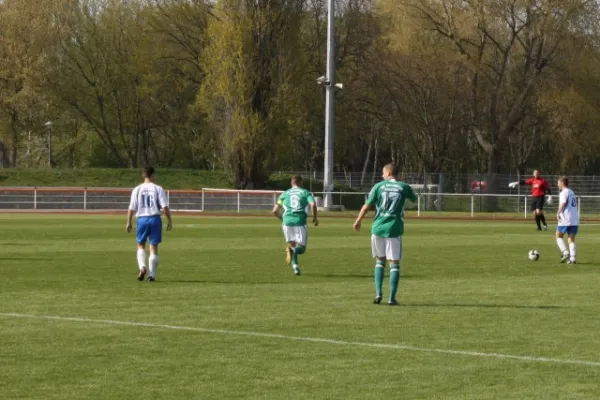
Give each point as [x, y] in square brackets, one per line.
[289, 251]
[291, 256]
[394, 280]
[153, 262]
[572, 249]
[141, 258]
[563, 248]
[378, 274]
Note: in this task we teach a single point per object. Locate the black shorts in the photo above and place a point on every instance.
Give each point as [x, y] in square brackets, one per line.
[537, 203]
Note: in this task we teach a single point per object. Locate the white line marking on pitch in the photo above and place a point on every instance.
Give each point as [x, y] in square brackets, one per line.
[309, 339]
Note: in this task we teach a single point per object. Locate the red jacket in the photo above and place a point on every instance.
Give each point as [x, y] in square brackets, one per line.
[539, 186]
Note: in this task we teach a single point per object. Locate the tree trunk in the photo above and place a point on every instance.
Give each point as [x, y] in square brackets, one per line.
[258, 177]
[366, 163]
[14, 149]
[375, 159]
[4, 160]
[494, 161]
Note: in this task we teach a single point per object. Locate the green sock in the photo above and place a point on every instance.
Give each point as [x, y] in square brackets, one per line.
[394, 279]
[378, 273]
[299, 249]
[294, 258]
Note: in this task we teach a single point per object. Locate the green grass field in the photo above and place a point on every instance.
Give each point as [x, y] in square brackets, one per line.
[227, 319]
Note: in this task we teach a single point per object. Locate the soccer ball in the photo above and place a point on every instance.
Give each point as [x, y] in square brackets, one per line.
[534, 255]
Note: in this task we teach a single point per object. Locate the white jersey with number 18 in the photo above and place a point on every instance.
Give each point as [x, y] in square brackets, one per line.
[148, 199]
[570, 215]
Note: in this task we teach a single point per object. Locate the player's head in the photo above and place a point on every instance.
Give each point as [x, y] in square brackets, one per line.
[536, 173]
[297, 181]
[563, 182]
[148, 173]
[390, 171]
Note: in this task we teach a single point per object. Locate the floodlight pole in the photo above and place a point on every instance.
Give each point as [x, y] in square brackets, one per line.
[329, 105]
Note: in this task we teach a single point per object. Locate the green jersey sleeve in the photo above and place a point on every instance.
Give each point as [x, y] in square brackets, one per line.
[310, 198]
[410, 194]
[372, 199]
[281, 198]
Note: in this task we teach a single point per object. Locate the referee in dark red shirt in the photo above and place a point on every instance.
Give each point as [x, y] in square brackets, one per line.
[539, 189]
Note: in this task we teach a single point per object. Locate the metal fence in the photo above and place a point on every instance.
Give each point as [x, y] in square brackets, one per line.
[85, 199]
[427, 204]
[452, 183]
[238, 201]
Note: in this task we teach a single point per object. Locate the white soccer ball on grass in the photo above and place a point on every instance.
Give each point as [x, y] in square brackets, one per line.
[534, 255]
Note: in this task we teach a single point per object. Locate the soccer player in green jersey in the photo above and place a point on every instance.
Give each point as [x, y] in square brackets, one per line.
[387, 198]
[295, 203]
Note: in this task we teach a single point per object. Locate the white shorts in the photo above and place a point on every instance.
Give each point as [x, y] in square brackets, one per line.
[390, 248]
[295, 234]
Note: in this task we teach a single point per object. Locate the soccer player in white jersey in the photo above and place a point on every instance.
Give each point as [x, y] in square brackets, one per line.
[568, 221]
[147, 201]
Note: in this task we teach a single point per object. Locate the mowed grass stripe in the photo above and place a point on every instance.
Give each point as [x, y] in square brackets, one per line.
[307, 339]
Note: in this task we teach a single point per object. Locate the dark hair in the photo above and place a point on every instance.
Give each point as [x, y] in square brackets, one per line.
[392, 168]
[296, 180]
[148, 172]
[564, 180]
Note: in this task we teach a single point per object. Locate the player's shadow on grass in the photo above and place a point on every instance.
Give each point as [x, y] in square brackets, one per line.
[365, 275]
[244, 282]
[251, 282]
[542, 307]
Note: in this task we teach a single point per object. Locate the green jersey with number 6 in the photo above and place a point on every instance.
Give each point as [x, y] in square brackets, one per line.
[295, 203]
[388, 198]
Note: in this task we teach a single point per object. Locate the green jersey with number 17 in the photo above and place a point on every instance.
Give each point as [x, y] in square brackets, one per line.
[295, 203]
[388, 198]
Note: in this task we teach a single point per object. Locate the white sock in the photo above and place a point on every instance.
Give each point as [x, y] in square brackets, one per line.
[141, 257]
[153, 261]
[572, 249]
[562, 246]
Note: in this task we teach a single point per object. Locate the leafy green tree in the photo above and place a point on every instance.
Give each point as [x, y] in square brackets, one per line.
[251, 76]
[23, 58]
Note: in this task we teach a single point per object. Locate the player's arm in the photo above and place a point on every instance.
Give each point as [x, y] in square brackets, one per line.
[277, 207]
[133, 206]
[522, 182]
[548, 191]
[369, 205]
[562, 203]
[361, 215]
[410, 193]
[167, 212]
[313, 209]
[164, 206]
[277, 211]
[129, 218]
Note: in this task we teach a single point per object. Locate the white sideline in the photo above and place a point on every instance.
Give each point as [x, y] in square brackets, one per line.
[309, 339]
